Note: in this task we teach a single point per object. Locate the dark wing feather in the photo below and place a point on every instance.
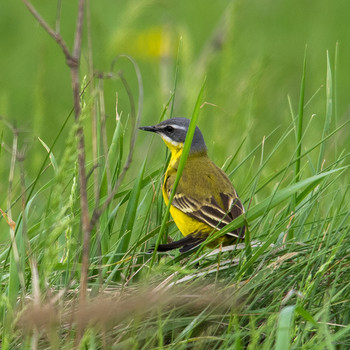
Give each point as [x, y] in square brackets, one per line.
[211, 213]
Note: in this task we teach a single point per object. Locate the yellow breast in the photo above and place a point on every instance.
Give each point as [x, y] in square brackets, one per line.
[184, 223]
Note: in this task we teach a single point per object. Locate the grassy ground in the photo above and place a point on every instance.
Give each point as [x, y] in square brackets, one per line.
[277, 125]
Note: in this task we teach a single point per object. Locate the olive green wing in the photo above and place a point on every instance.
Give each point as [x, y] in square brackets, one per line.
[215, 212]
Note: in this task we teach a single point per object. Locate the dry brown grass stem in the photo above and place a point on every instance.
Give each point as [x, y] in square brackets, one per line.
[73, 62]
[115, 308]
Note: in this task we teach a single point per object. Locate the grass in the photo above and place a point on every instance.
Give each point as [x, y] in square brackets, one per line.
[284, 292]
[285, 287]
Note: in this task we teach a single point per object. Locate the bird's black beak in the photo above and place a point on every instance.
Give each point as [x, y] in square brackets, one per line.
[148, 128]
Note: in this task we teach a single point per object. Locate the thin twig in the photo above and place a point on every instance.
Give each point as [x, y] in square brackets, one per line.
[56, 36]
[79, 30]
[73, 60]
[58, 16]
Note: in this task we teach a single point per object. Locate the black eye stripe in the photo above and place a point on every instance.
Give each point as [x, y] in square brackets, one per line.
[169, 128]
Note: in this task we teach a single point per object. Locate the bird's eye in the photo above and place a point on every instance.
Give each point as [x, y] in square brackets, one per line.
[169, 128]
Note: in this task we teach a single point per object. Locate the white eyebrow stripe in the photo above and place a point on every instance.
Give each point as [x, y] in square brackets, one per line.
[176, 126]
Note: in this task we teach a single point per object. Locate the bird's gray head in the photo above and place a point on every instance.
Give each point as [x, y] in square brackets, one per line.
[173, 131]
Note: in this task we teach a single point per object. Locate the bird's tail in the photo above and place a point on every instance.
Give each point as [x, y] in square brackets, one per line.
[187, 243]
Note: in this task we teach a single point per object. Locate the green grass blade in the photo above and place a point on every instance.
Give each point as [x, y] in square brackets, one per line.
[306, 315]
[299, 139]
[181, 166]
[48, 155]
[275, 199]
[51, 155]
[336, 55]
[130, 213]
[1, 140]
[338, 129]
[284, 326]
[113, 161]
[300, 121]
[329, 110]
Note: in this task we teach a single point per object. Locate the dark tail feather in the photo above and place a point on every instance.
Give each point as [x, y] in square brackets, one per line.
[187, 243]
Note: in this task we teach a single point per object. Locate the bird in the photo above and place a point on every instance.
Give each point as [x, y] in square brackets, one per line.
[205, 200]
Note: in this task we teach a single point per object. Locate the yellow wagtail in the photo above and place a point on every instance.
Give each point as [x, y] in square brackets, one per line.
[205, 200]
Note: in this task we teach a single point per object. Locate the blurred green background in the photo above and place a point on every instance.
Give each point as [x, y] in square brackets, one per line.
[250, 51]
